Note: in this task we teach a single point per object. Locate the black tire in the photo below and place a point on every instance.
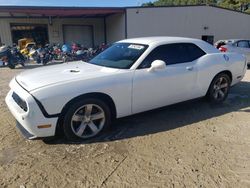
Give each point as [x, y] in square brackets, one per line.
[70, 127]
[44, 61]
[11, 66]
[22, 63]
[214, 93]
[38, 61]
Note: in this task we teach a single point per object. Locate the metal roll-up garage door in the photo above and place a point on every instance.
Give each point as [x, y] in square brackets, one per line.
[80, 34]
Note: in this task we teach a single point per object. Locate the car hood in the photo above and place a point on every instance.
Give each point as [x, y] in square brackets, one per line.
[49, 75]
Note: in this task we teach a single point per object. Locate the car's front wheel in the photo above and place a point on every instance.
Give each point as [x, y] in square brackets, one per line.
[219, 88]
[86, 118]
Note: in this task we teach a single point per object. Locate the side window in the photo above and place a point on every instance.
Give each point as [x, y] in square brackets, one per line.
[243, 44]
[156, 54]
[173, 54]
[194, 52]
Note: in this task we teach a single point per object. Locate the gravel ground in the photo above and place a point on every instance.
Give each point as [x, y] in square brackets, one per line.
[192, 144]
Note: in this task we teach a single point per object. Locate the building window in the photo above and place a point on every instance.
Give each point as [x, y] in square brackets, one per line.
[208, 38]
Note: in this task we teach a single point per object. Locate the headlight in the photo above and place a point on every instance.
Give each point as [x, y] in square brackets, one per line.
[20, 102]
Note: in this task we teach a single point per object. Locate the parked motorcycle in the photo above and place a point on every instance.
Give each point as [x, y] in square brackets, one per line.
[75, 47]
[81, 54]
[44, 55]
[33, 53]
[57, 52]
[11, 57]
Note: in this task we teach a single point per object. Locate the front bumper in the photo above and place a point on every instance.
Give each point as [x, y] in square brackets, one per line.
[31, 120]
[24, 132]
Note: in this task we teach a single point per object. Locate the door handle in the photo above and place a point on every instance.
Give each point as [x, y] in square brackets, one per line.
[190, 68]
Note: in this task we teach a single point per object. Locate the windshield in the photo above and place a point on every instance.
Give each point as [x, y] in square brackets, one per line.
[119, 55]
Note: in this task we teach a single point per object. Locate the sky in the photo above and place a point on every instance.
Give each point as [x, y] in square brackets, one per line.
[75, 3]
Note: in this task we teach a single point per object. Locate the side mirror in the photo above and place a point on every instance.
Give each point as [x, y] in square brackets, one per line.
[157, 65]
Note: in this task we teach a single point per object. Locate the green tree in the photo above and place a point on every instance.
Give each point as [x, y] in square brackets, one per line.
[241, 5]
[149, 4]
[180, 2]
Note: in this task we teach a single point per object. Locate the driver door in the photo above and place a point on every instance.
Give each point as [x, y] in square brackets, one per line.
[172, 84]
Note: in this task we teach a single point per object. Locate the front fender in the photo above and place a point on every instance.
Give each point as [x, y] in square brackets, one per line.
[54, 97]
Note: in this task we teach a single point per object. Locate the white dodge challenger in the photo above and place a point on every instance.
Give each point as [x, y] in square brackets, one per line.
[133, 75]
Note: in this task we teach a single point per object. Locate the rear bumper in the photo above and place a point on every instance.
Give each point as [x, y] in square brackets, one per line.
[31, 120]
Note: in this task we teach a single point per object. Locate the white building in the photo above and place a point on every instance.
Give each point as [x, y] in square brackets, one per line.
[93, 26]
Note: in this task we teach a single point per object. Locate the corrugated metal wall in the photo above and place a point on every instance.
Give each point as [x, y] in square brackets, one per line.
[115, 27]
[190, 21]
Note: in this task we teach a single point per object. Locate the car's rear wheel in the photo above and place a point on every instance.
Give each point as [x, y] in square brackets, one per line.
[86, 119]
[219, 88]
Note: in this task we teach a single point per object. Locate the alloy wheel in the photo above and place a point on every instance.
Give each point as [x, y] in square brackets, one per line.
[88, 121]
[220, 88]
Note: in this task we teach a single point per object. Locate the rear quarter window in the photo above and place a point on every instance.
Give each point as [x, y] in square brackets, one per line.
[194, 52]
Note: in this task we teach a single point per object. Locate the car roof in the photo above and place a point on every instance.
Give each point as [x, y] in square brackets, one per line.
[150, 40]
[161, 40]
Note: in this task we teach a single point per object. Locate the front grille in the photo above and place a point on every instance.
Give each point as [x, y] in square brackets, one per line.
[20, 102]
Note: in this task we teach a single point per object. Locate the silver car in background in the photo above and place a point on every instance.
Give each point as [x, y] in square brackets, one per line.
[241, 46]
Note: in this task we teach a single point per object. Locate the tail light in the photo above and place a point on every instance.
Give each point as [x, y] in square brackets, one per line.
[223, 49]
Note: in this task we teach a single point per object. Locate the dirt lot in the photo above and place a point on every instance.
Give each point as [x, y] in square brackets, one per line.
[192, 144]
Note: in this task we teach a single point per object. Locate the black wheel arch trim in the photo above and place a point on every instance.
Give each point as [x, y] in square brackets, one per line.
[228, 72]
[98, 95]
[86, 95]
[45, 113]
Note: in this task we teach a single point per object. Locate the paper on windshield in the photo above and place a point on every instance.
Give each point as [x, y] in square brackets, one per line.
[136, 46]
